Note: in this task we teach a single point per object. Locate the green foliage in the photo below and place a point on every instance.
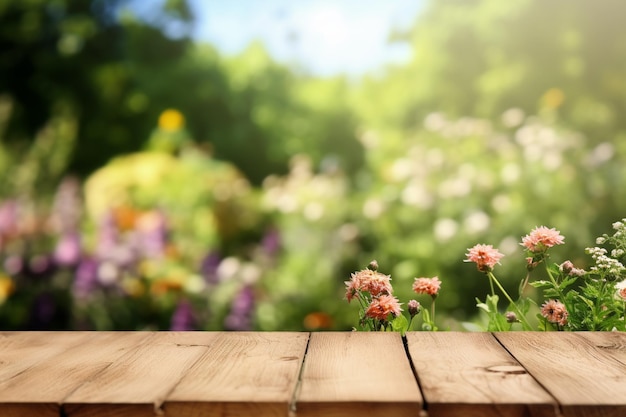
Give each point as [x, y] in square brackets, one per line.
[400, 324]
[478, 58]
[497, 321]
[101, 68]
[573, 299]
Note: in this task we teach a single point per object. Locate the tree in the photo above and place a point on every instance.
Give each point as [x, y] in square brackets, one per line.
[482, 57]
[74, 56]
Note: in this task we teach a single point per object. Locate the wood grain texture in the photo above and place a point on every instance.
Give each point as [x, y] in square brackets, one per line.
[469, 374]
[54, 379]
[25, 357]
[22, 350]
[584, 378]
[119, 374]
[611, 343]
[137, 382]
[357, 374]
[243, 373]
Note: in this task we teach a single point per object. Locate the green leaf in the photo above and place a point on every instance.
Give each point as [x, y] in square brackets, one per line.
[472, 327]
[400, 324]
[498, 323]
[524, 305]
[551, 293]
[483, 306]
[492, 302]
[541, 284]
[589, 303]
[567, 282]
[554, 269]
[543, 324]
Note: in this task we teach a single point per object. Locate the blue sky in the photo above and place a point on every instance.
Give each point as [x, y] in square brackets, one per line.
[323, 36]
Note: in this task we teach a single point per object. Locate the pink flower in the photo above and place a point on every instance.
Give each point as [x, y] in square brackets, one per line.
[485, 257]
[555, 312]
[541, 238]
[370, 281]
[382, 306]
[428, 286]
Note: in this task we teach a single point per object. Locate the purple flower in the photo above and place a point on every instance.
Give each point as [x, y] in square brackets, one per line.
[111, 247]
[108, 235]
[271, 242]
[209, 265]
[240, 316]
[85, 278]
[183, 318]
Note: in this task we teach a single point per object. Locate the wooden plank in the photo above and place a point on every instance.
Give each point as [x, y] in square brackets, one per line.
[51, 380]
[20, 354]
[357, 374]
[243, 373]
[585, 379]
[137, 383]
[470, 374]
[21, 350]
[611, 343]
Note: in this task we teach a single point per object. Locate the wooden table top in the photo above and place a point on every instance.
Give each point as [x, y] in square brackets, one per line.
[67, 374]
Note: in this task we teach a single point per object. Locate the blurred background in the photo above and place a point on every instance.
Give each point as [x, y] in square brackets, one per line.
[203, 164]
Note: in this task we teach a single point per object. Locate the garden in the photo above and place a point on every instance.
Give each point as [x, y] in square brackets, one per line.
[478, 186]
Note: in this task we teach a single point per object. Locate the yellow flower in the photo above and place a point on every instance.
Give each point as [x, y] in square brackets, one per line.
[6, 288]
[553, 98]
[171, 120]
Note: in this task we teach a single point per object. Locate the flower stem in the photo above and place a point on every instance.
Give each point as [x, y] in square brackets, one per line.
[523, 284]
[521, 317]
[432, 314]
[554, 283]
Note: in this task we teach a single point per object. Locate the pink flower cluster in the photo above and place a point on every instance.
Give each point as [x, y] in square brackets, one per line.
[382, 306]
[374, 293]
[537, 241]
[370, 281]
[484, 256]
[428, 286]
[378, 285]
[541, 238]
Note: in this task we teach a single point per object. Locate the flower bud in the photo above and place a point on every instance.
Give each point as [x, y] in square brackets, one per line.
[531, 263]
[566, 267]
[511, 317]
[414, 308]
